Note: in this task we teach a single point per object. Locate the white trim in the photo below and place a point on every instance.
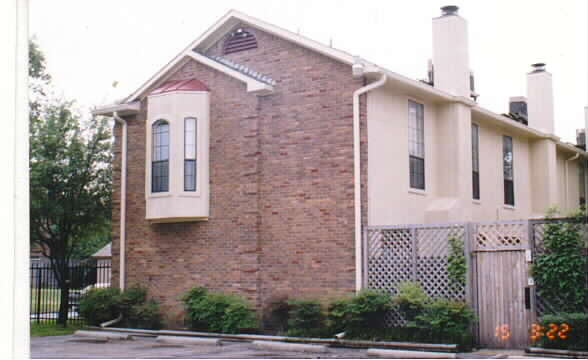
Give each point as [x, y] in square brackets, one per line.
[253, 85]
[417, 191]
[107, 110]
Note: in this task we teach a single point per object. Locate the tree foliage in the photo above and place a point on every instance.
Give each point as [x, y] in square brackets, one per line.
[70, 176]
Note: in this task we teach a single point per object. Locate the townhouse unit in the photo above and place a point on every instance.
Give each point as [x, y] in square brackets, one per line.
[251, 162]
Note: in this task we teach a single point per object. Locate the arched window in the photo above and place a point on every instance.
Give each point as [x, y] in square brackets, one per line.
[160, 156]
[190, 159]
[239, 40]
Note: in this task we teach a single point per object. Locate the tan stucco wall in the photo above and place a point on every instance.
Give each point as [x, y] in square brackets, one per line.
[390, 199]
[538, 171]
[572, 202]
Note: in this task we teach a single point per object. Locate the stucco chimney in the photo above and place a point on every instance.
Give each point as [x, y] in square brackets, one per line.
[451, 52]
[540, 99]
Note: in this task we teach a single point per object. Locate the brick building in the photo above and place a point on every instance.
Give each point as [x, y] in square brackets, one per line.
[254, 158]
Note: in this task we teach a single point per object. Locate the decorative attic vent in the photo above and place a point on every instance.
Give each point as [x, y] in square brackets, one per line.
[239, 40]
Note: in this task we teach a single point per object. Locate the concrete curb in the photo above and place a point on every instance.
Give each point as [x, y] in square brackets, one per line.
[283, 346]
[103, 335]
[186, 340]
[404, 354]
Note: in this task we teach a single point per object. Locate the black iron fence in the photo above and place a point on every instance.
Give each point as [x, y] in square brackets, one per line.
[46, 291]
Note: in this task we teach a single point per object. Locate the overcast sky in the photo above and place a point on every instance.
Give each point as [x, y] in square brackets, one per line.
[89, 45]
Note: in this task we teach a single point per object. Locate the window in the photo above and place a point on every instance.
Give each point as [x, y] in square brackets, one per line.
[508, 167]
[582, 181]
[160, 156]
[190, 154]
[416, 145]
[476, 161]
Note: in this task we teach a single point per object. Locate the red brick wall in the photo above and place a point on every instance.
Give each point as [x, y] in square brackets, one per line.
[281, 184]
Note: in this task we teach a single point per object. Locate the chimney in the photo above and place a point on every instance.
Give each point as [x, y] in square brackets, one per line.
[581, 139]
[540, 99]
[517, 105]
[451, 52]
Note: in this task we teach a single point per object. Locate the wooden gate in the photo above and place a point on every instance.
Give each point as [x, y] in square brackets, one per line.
[501, 273]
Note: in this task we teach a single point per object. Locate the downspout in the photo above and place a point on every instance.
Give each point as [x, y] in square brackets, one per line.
[123, 200]
[358, 71]
[575, 157]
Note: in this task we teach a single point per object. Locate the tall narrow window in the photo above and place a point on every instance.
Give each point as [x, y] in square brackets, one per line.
[582, 181]
[160, 156]
[508, 167]
[476, 161]
[190, 154]
[416, 145]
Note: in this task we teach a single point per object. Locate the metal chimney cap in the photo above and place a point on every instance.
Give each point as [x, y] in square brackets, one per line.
[449, 10]
[537, 67]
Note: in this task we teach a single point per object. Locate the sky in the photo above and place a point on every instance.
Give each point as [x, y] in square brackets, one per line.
[90, 46]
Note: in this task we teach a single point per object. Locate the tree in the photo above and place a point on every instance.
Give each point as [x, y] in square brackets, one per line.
[70, 180]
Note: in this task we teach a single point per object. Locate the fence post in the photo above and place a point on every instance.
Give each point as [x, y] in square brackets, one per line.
[38, 290]
[365, 257]
[467, 242]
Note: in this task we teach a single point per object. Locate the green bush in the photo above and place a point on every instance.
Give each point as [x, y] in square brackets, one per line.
[354, 315]
[217, 312]
[576, 338]
[446, 321]
[145, 316]
[559, 270]
[100, 305]
[306, 318]
[275, 315]
[410, 299]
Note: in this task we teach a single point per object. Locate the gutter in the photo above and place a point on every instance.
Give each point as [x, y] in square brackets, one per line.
[359, 70]
[123, 200]
[575, 157]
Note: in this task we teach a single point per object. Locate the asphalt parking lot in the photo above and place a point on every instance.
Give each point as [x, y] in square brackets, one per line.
[71, 347]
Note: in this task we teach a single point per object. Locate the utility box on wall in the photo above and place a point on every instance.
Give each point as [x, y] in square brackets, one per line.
[177, 158]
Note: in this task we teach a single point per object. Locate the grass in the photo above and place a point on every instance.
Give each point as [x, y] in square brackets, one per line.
[52, 329]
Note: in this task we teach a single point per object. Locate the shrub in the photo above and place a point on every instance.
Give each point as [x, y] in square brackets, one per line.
[338, 316]
[145, 316]
[358, 314]
[410, 299]
[100, 305]
[456, 263]
[447, 321]
[565, 253]
[275, 315]
[556, 337]
[217, 312]
[306, 318]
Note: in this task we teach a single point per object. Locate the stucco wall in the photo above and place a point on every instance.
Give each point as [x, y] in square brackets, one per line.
[447, 184]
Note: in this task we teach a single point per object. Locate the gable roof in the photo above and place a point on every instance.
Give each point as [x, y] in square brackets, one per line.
[256, 83]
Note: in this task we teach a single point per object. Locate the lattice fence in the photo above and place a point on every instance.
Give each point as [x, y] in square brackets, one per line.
[539, 228]
[412, 253]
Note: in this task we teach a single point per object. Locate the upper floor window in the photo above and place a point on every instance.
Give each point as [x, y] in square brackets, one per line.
[160, 156]
[582, 181]
[190, 154]
[508, 168]
[416, 145]
[239, 40]
[476, 161]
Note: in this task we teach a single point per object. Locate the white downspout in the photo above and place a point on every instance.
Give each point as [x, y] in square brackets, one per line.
[123, 200]
[566, 178]
[357, 177]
